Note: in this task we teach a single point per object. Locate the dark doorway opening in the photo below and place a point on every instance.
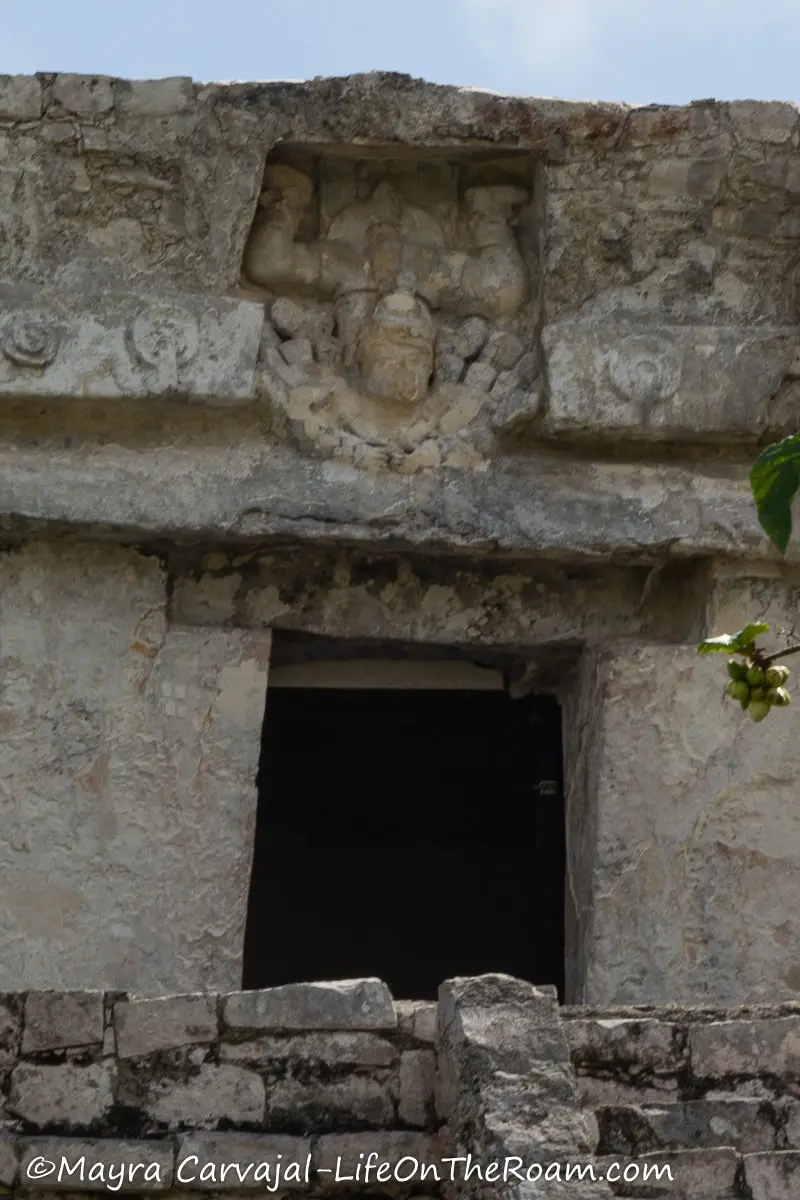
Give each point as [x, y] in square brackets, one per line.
[410, 835]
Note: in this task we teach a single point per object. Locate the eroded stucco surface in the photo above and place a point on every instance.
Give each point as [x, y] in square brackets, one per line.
[127, 777]
[685, 836]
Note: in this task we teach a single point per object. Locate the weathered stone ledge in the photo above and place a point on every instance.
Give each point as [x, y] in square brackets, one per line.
[696, 1014]
[533, 506]
[723, 1072]
[386, 106]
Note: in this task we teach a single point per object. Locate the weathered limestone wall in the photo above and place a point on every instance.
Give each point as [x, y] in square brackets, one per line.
[130, 747]
[536, 610]
[129, 783]
[534, 345]
[686, 836]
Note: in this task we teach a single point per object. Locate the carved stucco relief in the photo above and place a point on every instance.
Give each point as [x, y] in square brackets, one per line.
[196, 348]
[399, 333]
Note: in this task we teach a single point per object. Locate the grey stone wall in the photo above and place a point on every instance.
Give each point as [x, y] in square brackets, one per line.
[325, 1075]
[310, 1058]
[318, 1073]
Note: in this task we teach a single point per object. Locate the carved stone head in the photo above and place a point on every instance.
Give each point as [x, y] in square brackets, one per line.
[396, 350]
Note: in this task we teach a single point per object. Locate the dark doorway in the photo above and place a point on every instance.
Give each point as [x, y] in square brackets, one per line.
[409, 835]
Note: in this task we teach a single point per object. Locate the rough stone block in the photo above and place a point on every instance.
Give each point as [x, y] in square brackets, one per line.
[671, 383]
[96, 1165]
[357, 1100]
[224, 1162]
[65, 1095]
[417, 1018]
[20, 98]
[790, 1116]
[212, 1094]
[417, 1085]
[10, 1028]
[328, 1049]
[771, 123]
[496, 1023]
[615, 1093]
[773, 1176]
[750, 1048]
[748, 1126]
[349, 1004]
[534, 1114]
[61, 1020]
[624, 1044]
[9, 1160]
[153, 97]
[84, 95]
[147, 1025]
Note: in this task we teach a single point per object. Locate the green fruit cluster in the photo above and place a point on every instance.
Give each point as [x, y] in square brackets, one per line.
[758, 689]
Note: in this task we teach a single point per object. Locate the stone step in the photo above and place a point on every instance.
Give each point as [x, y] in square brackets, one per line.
[749, 1126]
[653, 1054]
[720, 1174]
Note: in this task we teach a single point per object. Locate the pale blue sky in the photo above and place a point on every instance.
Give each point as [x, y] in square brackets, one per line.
[640, 51]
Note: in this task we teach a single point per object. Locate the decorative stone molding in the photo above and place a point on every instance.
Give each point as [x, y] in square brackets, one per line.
[29, 339]
[187, 347]
[668, 382]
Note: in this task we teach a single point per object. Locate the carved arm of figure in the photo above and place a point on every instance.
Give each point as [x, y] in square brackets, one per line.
[275, 260]
[495, 283]
[490, 282]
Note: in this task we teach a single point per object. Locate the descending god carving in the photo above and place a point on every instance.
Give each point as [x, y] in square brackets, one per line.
[395, 325]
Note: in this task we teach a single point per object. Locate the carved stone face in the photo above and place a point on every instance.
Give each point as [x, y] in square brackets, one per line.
[396, 350]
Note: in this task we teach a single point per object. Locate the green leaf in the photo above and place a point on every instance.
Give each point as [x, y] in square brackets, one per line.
[774, 479]
[716, 645]
[733, 642]
[745, 637]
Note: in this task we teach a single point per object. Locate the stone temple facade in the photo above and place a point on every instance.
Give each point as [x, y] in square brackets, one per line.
[392, 363]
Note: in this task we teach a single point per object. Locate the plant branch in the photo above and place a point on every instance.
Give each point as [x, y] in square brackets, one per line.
[771, 658]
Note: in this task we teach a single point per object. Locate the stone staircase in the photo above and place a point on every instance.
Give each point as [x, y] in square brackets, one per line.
[715, 1094]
